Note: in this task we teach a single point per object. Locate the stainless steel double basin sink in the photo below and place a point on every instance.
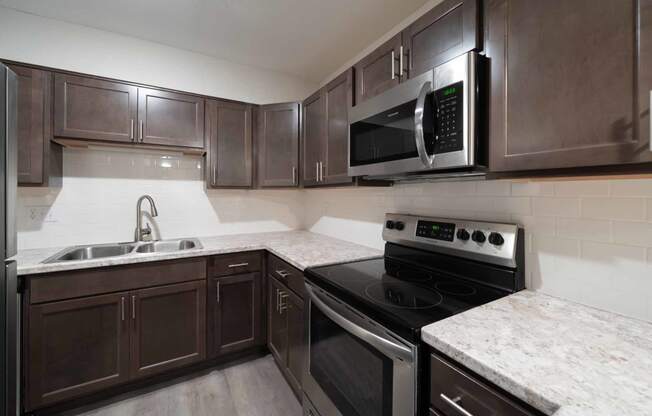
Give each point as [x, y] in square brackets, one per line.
[100, 251]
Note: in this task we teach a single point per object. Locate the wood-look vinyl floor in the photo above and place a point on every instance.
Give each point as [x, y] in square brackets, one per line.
[253, 388]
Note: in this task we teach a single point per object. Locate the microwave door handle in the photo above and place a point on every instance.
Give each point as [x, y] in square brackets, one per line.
[386, 346]
[427, 160]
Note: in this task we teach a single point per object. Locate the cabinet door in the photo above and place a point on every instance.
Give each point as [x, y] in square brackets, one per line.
[237, 319]
[87, 108]
[277, 331]
[339, 97]
[296, 360]
[314, 137]
[229, 154]
[562, 83]
[169, 118]
[278, 145]
[378, 72]
[76, 347]
[448, 30]
[168, 327]
[34, 125]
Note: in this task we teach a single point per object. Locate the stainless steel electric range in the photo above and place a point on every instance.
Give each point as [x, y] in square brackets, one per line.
[365, 317]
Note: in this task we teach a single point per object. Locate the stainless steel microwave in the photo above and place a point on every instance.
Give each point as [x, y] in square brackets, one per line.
[428, 123]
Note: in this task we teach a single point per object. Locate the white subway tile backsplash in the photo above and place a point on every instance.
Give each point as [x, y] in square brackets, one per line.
[532, 189]
[582, 188]
[614, 208]
[494, 188]
[591, 230]
[633, 233]
[556, 207]
[632, 188]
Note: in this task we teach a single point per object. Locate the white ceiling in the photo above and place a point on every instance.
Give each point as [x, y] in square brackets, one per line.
[307, 38]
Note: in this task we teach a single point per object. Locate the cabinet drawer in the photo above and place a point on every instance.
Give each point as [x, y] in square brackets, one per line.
[286, 274]
[236, 263]
[451, 386]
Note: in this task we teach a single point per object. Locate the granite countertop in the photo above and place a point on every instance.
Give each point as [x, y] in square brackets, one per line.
[562, 358]
[302, 249]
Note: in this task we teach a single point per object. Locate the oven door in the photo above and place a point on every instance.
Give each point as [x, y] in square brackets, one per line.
[355, 367]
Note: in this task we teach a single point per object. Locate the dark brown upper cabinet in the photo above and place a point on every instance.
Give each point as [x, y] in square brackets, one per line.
[93, 109]
[168, 327]
[339, 98]
[448, 30]
[75, 347]
[229, 154]
[238, 318]
[169, 118]
[325, 128]
[314, 138]
[380, 70]
[570, 83]
[39, 159]
[277, 138]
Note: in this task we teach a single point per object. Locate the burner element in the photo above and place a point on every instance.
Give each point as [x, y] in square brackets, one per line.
[403, 295]
[456, 289]
[413, 275]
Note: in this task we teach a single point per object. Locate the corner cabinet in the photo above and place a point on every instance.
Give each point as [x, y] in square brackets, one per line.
[570, 83]
[277, 138]
[40, 161]
[107, 111]
[229, 140]
[450, 29]
[325, 127]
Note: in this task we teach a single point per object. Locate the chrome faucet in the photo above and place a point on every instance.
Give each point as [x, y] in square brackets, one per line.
[144, 234]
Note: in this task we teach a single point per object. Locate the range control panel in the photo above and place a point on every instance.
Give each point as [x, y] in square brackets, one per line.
[487, 241]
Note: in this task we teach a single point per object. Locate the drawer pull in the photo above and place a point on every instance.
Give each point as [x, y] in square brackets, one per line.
[231, 266]
[283, 273]
[454, 405]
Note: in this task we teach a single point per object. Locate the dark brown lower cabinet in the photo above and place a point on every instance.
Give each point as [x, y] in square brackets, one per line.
[455, 391]
[76, 347]
[237, 315]
[169, 327]
[286, 332]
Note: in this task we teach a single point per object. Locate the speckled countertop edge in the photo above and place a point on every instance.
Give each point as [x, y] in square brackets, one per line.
[302, 249]
[563, 358]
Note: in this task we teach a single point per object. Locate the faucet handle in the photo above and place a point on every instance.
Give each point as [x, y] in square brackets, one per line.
[146, 233]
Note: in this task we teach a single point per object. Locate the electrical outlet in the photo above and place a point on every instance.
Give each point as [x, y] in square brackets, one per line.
[40, 214]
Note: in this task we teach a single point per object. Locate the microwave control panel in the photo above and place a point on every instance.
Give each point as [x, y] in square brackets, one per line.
[449, 116]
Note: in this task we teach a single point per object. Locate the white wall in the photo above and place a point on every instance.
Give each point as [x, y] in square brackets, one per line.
[33, 39]
[586, 241]
[97, 203]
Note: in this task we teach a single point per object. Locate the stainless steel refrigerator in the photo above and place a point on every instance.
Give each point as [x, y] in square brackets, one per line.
[9, 298]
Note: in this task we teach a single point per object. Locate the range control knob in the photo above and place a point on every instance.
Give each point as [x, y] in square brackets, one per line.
[463, 235]
[389, 225]
[496, 239]
[400, 225]
[478, 236]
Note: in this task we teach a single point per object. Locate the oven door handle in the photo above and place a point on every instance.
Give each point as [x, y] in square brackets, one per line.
[384, 345]
[427, 160]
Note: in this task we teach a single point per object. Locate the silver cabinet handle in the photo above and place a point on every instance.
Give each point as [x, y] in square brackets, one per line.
[231, 266]
[294, 175]
[283, 273]
[426, 159]
[321, 171]
[282, 307]
[122, 307]
[131, 130]
[317, 171]
[393, 72]
[214, 174]
[133, 307]
[277, 301]
[142, 129]
[400, 69]
[218, 291]
[454, 405]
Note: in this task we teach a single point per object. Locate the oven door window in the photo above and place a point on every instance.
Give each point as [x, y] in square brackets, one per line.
[355, 376]
[390, 135]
